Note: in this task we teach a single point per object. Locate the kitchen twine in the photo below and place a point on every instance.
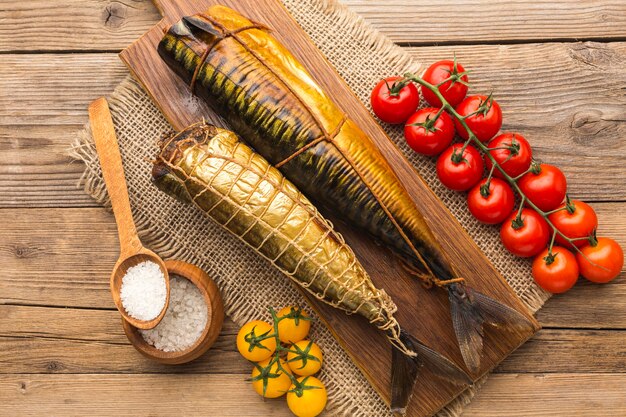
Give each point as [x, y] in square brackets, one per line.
[249, 284]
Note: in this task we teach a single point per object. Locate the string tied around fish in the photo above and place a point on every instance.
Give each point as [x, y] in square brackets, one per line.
[429, 280]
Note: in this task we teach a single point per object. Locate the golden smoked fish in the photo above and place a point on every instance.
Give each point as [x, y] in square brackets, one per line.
[236, 187]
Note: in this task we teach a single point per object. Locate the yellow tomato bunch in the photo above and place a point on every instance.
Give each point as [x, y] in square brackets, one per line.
[284, 360]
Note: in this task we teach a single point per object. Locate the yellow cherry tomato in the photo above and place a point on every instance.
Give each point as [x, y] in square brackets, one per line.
[304, 358]
[276, 381]
[295, 326]
[308, 397]
[251, 343]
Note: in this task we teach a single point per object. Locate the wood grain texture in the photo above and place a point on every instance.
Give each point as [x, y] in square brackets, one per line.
[473, 21]
[87, 25]
[41, 110]
[80, 25]
[157, 395]
[79, 341]
[550, 395]
[434, 326]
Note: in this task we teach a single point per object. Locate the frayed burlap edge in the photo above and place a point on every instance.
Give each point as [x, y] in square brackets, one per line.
[83, 149]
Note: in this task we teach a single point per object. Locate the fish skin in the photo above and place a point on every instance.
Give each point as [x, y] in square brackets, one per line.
[250, 79]
[211, 168]
[268, 97]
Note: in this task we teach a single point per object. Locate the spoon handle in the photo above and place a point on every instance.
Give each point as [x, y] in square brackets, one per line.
[113, 172]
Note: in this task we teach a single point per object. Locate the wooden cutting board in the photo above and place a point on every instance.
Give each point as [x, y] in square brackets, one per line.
[424, 313]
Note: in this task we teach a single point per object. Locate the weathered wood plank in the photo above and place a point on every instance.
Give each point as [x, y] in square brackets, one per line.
[78, 341]
[463, 21]
[134, 395]
[112, 25]
[77, 25]
[35, 169]
[43, 101]
[54, 89]
[33, 240]
[65, 238]
[83, 341]
[227, 395]
[569, 351]
[550, 395]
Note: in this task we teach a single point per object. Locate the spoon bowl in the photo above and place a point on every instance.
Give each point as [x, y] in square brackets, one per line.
[132, 251]
[120, 269]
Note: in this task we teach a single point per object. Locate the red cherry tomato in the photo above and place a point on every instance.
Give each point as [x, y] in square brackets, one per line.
[546, 189]
[426, 135]
[453, 90]
[575, 220]
[515, 160]
[602, 262]
[556, 273]
[394, 99]
[487, 120]
[460, 172]
[491, 204]
[527, 236]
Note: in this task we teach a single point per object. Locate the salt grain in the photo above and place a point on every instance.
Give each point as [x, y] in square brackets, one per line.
[184, 320]
[144, 291]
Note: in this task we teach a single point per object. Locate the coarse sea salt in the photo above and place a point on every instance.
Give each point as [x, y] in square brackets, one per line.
[184, 320]
[144, 291]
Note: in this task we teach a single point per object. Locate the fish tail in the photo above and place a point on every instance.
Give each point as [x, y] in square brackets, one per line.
[405, 369]
[470, 310]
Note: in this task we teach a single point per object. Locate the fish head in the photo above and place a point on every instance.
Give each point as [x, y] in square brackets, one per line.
[168, 173]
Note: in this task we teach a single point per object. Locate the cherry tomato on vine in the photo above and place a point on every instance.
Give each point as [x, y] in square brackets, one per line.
[305, 358]
[484, 117]
[427, 135]
[453, 90]
[545, 188]
[255, 340]
[275, 382]
[556, 272]
[458, 171]
[601, 262]
[512, 152]
[491, 203]
[394, 99]
[575, 219]
[525, 235]
[294, 326]
[307, 398]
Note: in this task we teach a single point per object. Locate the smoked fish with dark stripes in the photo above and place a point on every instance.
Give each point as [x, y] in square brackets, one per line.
[274, 104]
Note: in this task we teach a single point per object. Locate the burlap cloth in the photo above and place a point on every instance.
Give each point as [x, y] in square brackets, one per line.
[248, 283]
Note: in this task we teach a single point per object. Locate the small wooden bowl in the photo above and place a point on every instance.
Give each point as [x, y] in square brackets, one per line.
[213, 327]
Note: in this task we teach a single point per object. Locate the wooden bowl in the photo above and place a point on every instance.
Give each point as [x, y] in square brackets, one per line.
[213, 327]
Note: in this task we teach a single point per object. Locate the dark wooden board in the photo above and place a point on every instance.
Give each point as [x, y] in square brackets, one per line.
[421, 312]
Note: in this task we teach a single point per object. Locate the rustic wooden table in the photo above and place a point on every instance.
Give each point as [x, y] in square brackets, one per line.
[557, 68]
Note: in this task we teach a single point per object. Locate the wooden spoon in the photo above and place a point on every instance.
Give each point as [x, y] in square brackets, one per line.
[132, 251]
